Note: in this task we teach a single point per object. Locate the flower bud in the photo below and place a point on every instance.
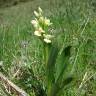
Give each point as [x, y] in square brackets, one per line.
[40, 10]
[36, 14]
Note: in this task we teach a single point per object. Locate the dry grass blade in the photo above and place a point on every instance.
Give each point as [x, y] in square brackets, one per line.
[12, 86]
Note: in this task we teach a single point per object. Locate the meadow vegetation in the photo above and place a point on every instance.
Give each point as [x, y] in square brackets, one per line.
[74, 40]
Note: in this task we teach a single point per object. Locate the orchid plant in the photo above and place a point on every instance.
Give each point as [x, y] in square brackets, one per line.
[55, 80]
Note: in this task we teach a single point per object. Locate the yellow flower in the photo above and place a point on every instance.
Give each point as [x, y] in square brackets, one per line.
[35, 23]
[41, 19]
[47, 38]
[47, 22]
[39, 32]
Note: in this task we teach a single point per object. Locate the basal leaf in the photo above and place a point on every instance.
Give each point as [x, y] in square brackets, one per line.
[51, 64]
[63, 63]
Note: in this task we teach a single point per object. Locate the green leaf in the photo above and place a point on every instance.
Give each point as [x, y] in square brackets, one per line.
[61, 66]
[64, 84]
[56, 88]
[51, 65]
[67, 81]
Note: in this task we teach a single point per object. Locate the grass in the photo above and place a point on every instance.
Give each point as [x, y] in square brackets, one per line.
[73, 23]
